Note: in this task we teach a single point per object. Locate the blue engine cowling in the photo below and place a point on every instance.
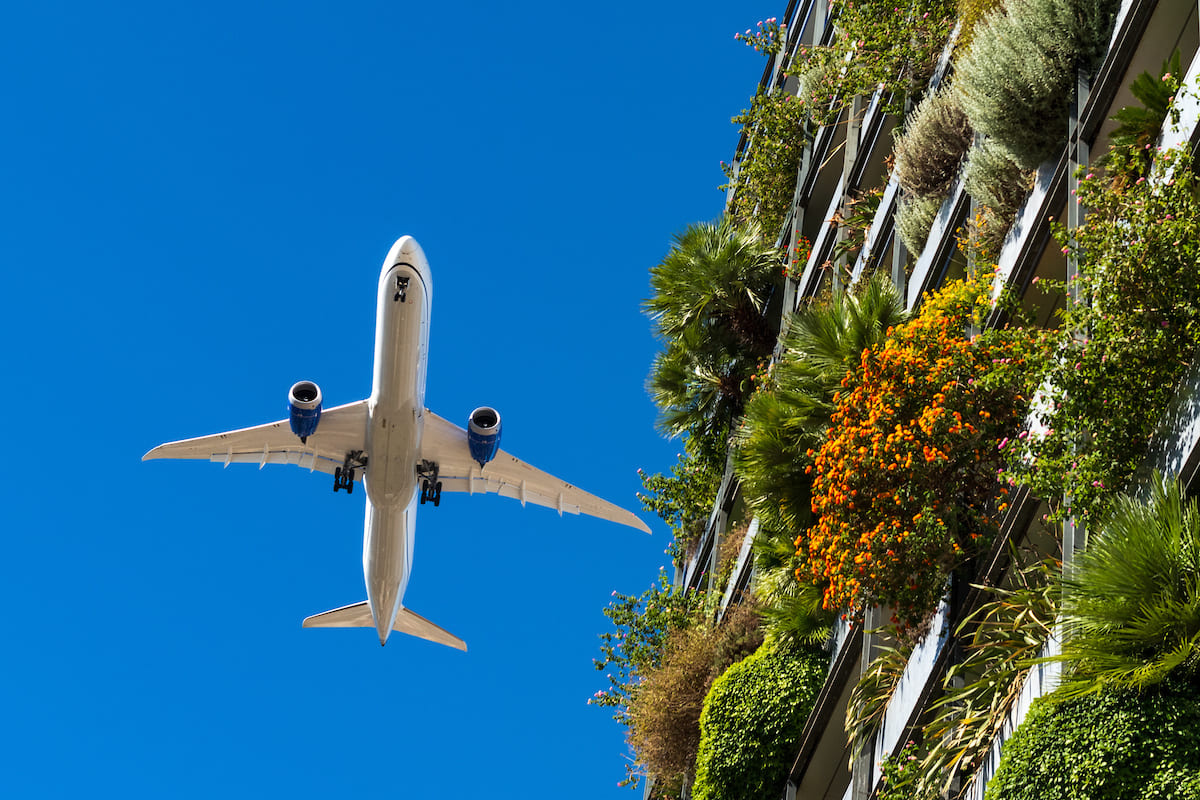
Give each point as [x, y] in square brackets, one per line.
[304, 409]
[483, 434]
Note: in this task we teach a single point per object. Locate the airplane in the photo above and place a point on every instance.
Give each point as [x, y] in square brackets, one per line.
[402, 453]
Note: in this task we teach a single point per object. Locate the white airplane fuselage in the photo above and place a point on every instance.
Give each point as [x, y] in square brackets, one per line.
[403, 453]
[395, 420]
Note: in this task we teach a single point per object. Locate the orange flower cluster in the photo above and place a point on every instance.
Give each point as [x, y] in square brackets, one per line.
[906, 477]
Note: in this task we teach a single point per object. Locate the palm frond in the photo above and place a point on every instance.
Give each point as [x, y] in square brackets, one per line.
[1131, 601]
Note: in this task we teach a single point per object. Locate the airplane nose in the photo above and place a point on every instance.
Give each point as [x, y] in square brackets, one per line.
[407, 249]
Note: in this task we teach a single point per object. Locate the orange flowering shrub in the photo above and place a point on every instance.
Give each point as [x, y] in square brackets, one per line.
[905, 484]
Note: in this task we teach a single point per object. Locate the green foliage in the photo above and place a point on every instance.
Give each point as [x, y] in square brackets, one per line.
[936, 137]
[1106, 746]
[1131, 601]
[752, 720]
[901, 776]
[709, 304]
[1139, 126]
[792, 610]
[786, 418]
[970, 13]
[790, 413]
[891, 44]
[1122, 350]
[636, 646]
[775, 126]
[664, 715]
[1001, 641]
[914, 218]
[870, 696]
[1016, 80]
[684, 499]
[853, 221]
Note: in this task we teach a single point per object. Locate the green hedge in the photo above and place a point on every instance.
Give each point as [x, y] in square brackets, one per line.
[752, 720]
[1106, 746]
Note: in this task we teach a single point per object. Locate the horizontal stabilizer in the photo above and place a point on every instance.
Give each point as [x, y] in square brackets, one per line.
[355, 616]
[359, 616]
[415, 625]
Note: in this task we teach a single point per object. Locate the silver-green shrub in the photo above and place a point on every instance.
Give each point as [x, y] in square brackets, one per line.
[936, 137]
[1018, 77]
[995, 182]
[914, 218]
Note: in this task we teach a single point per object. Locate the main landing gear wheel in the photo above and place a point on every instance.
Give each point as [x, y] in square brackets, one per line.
[431, 487]
[431, 491]
[343, 476]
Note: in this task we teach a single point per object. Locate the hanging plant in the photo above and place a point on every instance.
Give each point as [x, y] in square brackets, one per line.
[1121, 351]
[905, 488]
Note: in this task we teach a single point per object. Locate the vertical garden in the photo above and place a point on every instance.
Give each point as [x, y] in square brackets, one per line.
[903, 464]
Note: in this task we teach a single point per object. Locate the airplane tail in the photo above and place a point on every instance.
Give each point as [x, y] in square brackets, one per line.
[359, 616]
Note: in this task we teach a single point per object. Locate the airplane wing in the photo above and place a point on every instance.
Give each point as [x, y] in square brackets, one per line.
[342, 430]
[445, 444]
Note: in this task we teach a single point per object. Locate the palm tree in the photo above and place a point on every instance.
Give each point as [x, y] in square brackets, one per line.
[1131, 600]
[710, 298]
[792, 611]
[782, 423]
[786, 420]
[698, 388]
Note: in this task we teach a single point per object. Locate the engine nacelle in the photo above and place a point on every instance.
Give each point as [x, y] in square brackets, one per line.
[483, 434]
[304, 409]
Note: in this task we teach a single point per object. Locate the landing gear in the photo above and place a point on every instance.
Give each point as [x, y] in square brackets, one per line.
[401, 294]
[431, 487]
[431, 492]
[343, 476]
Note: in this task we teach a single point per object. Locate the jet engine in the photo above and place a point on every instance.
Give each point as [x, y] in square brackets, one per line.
[483, 434]
[304, 409]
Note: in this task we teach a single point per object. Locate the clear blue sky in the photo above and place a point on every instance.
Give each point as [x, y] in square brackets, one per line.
[196, 200]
